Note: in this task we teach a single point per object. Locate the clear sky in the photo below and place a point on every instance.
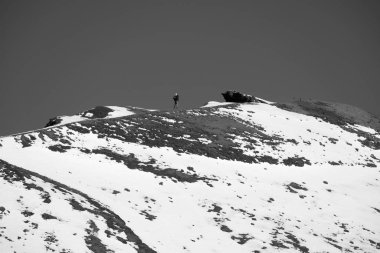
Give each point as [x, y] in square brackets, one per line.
[63, 57]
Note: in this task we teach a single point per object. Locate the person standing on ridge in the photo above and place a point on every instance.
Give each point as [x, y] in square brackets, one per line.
[175, 98]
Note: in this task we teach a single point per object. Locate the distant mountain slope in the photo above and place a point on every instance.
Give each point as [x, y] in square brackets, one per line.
[98, 112]
[333, 112]
[254, 177]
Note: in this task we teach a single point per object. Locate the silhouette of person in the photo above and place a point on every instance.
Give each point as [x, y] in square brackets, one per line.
[175, 98]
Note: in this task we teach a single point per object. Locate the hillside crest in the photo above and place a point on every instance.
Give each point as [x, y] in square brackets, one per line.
[225, 177]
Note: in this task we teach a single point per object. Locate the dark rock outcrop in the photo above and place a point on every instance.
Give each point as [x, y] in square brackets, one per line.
[53, 121]
[234, 96]
[99, 112]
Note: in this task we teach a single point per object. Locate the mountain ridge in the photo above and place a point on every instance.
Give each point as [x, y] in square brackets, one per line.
[250, 177]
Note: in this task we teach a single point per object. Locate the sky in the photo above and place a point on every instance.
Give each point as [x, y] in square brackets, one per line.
[64, 57]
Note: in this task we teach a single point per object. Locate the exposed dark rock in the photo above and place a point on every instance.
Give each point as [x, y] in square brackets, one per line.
[59, 148]
[248, 214]
[333, 243]
[267, 159]
[374, 157]
[47, 216]
[98, 112]
[147, 215]
[297, 186]
[26, 140]
[294, 187]
[296, 243]
[241, 238]
[297, 161]
[53, 121]
[278, 244]
[92, 241]
[371, 142]
[115, 192]
[375, 244]
[224, 228]
[234, 96]
[215, 208]
[133, 163]
[371, 165]
[76, 205]
[85, 150]
[50, 239]
[78, 128]
[27, 213]
[292, 141]
[344, 227]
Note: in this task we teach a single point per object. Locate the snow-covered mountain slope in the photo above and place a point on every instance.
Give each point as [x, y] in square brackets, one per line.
[255, 177]
[98, 112]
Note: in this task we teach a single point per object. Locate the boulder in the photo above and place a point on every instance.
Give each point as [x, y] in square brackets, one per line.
[234, 96]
